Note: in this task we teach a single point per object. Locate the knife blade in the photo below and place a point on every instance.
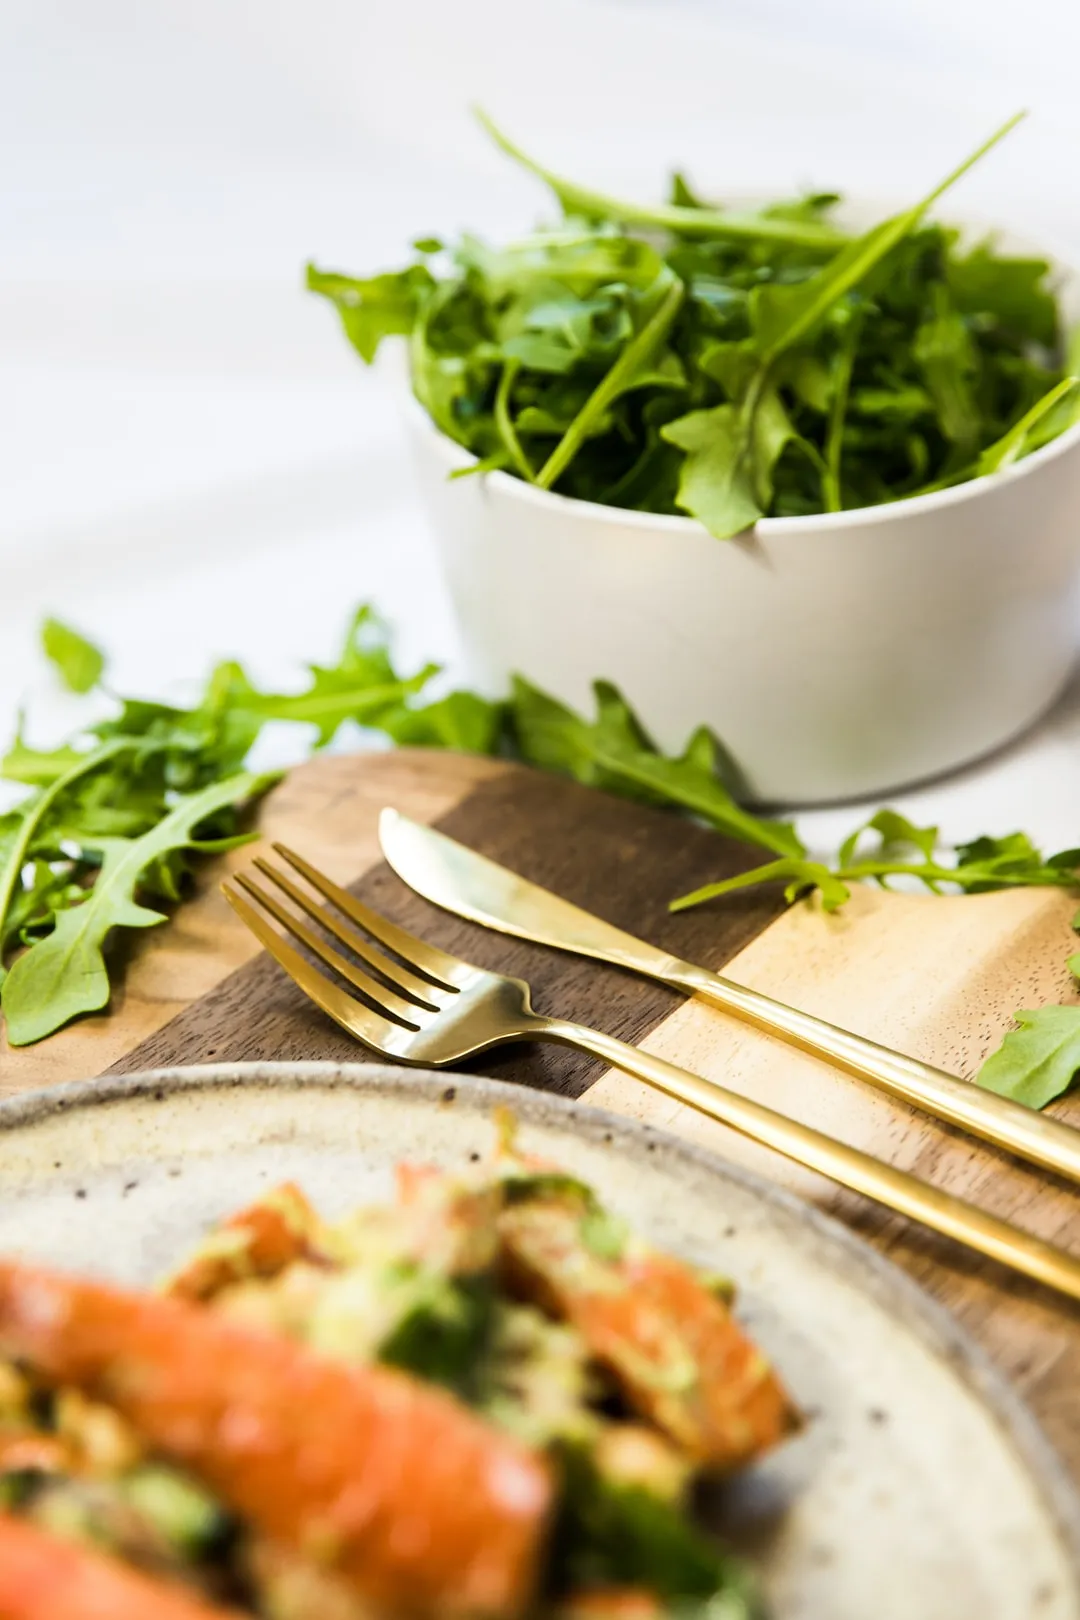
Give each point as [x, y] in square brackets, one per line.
[460, 880]
[473, 886]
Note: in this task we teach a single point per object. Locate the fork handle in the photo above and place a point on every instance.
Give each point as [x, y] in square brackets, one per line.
[1030, 1135]
[884, 1183]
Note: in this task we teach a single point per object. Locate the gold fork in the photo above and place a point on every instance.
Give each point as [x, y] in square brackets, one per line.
[430, 1009]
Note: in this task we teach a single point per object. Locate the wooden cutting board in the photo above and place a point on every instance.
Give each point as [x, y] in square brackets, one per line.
[934, 977]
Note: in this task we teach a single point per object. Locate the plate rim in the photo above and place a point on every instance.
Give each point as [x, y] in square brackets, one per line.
[891, 1287]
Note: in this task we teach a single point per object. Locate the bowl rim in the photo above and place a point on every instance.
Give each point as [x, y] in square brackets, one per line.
[456, 456]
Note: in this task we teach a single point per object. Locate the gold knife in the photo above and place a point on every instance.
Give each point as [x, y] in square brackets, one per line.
[460, 880]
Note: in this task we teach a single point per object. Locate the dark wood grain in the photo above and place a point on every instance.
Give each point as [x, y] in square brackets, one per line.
[623, 861]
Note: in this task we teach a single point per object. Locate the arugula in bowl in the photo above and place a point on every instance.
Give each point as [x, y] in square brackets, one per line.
[723, 364]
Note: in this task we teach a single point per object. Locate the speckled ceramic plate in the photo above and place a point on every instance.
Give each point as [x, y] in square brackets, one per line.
[920, 1490]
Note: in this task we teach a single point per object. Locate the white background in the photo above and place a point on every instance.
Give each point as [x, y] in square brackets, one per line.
[193, 464]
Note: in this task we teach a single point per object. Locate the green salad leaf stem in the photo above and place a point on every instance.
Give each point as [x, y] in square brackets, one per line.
[721, 222]
[903, 850]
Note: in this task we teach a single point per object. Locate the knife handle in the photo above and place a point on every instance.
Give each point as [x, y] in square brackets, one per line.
[849, 1166]
[1036, 1137]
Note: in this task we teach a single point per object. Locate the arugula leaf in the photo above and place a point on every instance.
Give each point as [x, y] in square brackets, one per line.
[94, 804]
[731, 455]
[733, 486]
[377, 307]
[37, 767]
[689, 221]
[897, 836]
[613, 752]
[1012, 292]
[101, 830]
[1039, 1061]
[785, 314]
[461, 720]
[362, 686]
[77, 661]
[214, 738]
[47, 889]
[65, 974]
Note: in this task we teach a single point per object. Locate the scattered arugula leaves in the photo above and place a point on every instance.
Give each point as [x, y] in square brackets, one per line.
[381, 307]
[903, 850]
[111, 819]
[77, 661]
[726, 364]
[1040, 1060]
[22, 831]
[65, 973]
[614, 752]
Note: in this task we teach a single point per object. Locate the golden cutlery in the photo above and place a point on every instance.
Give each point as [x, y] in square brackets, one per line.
[461, 881]
[431, 1009]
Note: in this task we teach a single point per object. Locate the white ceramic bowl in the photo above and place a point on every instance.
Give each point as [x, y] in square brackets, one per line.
[835, 656]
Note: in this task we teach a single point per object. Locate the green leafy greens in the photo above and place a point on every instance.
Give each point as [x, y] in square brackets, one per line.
[65, 974]
[726, 364]
[614, 752]
[77, 661]
[109, 823]
[900, 849]
[1040, 1060]
[111, 819]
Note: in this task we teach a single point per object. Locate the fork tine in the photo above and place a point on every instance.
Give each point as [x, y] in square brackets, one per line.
[426, 959]
[368, 1027]
[384, 999]
[410, 984]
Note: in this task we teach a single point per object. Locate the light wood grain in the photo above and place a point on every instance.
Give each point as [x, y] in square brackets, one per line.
[939, 978]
